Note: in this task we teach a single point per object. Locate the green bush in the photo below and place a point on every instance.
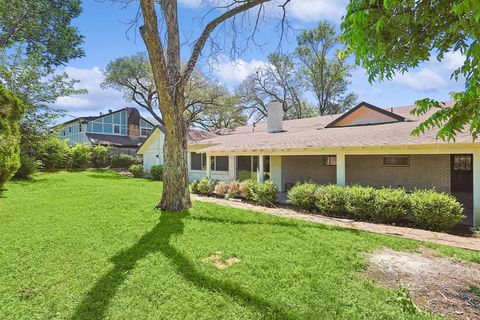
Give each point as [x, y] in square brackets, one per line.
[28, 167]
[304, 195]
[80, 156]
[390, 205]
[221, 189]
[206, 186]
[100, 156]
[265, 193]
[330, 200]
[156, 172]
[122, 161]
[435, 211]
[136, 170]
[11, 110]
[54, 154]
[195, 187]
[359, 202]
[247, 189]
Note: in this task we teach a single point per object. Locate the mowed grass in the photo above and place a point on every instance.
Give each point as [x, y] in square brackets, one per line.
[89, 245]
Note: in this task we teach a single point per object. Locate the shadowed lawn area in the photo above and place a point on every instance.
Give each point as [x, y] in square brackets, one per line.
[89, 245]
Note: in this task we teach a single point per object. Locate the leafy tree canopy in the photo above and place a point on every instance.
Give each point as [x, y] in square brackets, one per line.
[389, 36]
[44, 27]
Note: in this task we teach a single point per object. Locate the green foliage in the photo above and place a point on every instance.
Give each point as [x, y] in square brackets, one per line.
[194, 187]
[205, 186]
[265, 193]
[44, 27]
[234, 189]
[331, 200]
[359, 202]
[28, 167]
[248, 188]
[120, 160]
[221, 189]
[388, 37]
[304, 195]
[156, 172]
[11, 110]
[100, 156]
[435, 211]
[80, 156]
[390, 205]
[327, 76]
[136, 170]
[54, 154]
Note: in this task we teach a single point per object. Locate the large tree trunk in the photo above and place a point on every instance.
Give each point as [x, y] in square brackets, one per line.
[175, 196]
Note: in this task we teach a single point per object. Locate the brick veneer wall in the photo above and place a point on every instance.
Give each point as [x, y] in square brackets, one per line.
[306, 168]
[424, 171]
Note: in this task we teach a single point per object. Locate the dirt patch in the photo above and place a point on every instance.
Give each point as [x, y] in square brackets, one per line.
[220, 263]
[444, 286]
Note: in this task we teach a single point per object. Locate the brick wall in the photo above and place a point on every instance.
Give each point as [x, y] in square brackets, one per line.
[424, 171]
[305, 168]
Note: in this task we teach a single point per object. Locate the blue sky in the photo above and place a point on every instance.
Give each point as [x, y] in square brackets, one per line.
[105, 27]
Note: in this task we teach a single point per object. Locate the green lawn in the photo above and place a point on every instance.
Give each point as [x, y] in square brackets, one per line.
[88, 245]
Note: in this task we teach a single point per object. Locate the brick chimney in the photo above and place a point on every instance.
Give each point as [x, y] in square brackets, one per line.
[275, 116]
[133, 122]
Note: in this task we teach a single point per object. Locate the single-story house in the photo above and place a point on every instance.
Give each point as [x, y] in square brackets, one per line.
[123, 130]
[367, 145]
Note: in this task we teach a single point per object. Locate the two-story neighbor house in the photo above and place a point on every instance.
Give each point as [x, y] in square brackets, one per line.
[123, 130]
[366, 145]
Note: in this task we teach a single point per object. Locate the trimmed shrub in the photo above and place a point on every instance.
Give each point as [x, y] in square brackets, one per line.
[330, 199]
[304, 195]
[435, 211]
[136, 170]
[247, 189]
[234, 189]
[156, 172]
[206, 186]
[28, 167]
[359, 202]
[390, 205]
[100, 156]
[122, 161]
[80, 156]
[55, 154]
[195, 187]
[221, 189]
[265, 193]
[11, 110]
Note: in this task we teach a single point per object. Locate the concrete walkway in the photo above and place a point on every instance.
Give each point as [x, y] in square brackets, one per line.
[410, 233]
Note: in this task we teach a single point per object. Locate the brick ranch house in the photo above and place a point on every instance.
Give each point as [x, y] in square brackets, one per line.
[367, 145]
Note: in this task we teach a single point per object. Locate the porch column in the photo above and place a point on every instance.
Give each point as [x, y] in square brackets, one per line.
[231, 167]
[476, 188]
[260, 169]
[341, 169]
[209, 166]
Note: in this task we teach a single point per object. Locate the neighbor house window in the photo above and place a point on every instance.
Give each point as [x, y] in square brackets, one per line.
[145, 128]
[329, 160]
[396, 161]
[198, 161]
[219, 163]
[79, 127]
[462, 162]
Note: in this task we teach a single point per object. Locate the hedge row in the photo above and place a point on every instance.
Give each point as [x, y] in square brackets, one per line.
[263, 193]
[427, 209]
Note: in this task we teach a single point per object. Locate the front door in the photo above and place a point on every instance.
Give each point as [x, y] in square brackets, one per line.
[462, 173]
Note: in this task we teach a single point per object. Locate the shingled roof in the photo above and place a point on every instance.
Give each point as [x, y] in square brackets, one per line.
[315, 133]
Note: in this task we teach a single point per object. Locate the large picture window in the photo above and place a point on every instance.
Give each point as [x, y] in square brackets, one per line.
[198, 161]
[219, 163]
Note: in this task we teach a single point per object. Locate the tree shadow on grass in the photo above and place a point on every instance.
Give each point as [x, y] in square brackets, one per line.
[97, 300]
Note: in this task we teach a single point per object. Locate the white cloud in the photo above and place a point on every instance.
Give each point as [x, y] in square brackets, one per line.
[425, 79]
[233, 72]
[96, 99]
[316, 10]
[453, 60]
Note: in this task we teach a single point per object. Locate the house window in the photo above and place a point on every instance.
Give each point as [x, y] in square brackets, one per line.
[219, 163]
[69, 129]
[79, 127]
[198, 161]
[329, 160]
[396, 161]
[462, 162]
[116, 129]
[146, 132]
